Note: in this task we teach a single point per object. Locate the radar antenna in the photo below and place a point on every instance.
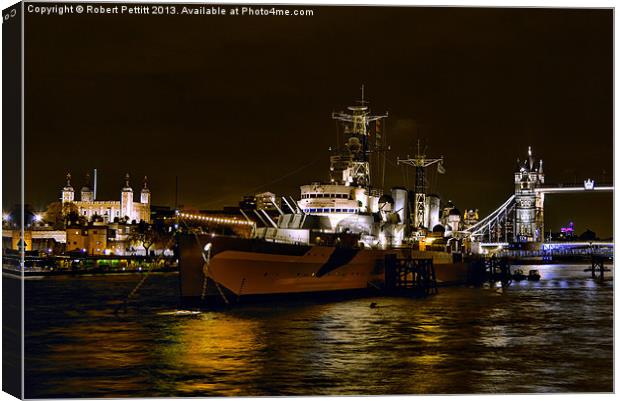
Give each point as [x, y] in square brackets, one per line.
[352, 164]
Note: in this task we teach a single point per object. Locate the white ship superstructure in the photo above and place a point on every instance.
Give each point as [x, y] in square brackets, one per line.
[349, 203]
[334, 238]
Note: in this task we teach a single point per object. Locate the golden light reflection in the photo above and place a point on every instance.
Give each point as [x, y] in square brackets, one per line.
[429, 333]
[210, 346]
[427, 360]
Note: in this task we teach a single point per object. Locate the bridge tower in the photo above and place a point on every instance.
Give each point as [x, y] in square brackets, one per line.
[529, 223]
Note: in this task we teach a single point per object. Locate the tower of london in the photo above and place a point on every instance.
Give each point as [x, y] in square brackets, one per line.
[109, 210]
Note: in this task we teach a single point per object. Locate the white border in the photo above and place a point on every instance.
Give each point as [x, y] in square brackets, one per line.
[479, 3]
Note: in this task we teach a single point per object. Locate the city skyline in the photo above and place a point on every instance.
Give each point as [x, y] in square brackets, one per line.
[230, 111]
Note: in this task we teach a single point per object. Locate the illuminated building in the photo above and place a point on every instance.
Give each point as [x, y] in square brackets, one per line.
[568, 231]
[528, 202]
[37, 235]
[470, 218]
[125, 208]
[91, 240]
[33, 240]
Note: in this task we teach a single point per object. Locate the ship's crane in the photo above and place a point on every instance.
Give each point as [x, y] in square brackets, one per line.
[420, 162]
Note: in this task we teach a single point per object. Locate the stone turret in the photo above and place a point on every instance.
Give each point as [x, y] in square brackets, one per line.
[68, 194]
[145, 194]
[127, 199]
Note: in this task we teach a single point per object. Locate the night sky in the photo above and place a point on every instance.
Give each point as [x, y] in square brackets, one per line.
[231, 104]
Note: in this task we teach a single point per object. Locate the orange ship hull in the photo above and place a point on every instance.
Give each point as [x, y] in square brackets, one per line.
[246, 267]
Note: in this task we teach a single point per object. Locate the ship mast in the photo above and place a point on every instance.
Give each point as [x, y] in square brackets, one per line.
[420, 162]
[352, 164]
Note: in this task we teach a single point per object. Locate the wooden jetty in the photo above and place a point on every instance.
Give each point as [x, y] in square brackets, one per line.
[408, 276]
[597, 268]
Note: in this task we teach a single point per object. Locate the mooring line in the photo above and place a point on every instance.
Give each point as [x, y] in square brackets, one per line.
[142, 281]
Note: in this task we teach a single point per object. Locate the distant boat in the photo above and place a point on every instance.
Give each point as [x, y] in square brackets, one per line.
[533, 275]
[518, 275]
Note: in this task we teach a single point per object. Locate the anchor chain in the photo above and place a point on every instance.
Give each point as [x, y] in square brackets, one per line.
[205, 271]
[206, 256]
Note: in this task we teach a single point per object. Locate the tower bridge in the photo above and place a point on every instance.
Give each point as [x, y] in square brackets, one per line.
[521, 217]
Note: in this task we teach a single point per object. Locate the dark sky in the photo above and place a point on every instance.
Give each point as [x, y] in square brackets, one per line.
[231, 104]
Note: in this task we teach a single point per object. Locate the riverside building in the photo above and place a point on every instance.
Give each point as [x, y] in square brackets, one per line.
[110, 210]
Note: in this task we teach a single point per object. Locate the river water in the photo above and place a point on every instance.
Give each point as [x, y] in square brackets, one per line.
[555, 335]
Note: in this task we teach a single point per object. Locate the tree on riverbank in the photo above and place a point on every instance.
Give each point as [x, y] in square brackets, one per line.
[148, 235]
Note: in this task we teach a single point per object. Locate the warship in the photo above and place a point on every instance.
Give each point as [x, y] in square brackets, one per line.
[334, 239]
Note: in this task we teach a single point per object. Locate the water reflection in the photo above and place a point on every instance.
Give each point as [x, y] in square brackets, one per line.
[552, 335]
[208, 348]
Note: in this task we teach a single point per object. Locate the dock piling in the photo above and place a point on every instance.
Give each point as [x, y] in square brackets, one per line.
[408, 276]
[597, 266]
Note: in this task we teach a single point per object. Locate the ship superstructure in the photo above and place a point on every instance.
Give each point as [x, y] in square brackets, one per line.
[334, 238]
[352, 203]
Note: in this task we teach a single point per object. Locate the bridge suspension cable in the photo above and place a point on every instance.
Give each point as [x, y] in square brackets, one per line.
[484, 224]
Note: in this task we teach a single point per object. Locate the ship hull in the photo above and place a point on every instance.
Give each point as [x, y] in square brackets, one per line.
[251, 269]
